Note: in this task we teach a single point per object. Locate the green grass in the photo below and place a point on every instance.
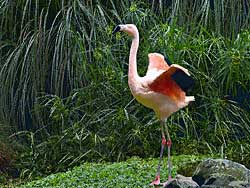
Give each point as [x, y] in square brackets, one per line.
[134, 172]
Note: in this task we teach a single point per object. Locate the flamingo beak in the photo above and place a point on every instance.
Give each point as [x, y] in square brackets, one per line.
[116, 29]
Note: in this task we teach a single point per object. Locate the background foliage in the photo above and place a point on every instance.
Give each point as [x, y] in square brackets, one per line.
[63, 79]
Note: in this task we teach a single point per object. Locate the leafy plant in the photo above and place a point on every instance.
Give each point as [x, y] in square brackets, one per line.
[8, 156]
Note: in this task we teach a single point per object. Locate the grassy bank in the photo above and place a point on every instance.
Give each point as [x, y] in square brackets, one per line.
[134, 172]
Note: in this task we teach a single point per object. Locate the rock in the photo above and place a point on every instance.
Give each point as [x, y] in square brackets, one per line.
[218, 180]
[213, 172]
[188, 168]
[239, 184]
[182, 182]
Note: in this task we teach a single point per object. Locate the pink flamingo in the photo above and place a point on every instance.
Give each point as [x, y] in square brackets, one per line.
[163, 89]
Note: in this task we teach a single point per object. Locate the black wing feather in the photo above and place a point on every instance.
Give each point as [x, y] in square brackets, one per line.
[183, 80]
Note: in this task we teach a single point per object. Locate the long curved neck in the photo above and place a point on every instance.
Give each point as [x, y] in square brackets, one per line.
[132, 70]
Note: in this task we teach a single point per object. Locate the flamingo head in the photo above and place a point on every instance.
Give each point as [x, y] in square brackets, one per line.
[130, 29]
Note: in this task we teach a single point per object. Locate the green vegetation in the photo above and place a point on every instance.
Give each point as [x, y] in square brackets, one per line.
[63, 81]
[133, 173]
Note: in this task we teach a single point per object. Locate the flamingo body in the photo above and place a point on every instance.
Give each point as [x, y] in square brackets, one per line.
[158, 90]
[162, 89]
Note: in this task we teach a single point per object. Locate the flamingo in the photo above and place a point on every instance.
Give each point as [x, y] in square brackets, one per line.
[162, 89]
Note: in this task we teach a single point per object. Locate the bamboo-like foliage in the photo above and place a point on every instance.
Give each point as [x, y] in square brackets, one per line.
[46, 44]
[51, 50]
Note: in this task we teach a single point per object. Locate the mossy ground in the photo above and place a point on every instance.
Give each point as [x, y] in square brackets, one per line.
[135, 172]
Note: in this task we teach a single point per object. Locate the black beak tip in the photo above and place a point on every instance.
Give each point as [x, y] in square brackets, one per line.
[116, 29]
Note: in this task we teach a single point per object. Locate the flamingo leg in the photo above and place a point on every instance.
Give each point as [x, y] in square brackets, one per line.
[169, 165]
[169, 144]
[163, 143]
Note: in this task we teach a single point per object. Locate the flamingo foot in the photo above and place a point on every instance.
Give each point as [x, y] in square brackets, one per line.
[157, 181]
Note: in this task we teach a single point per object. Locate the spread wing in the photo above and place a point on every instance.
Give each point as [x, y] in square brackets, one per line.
[156, 62]
[174, 82]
